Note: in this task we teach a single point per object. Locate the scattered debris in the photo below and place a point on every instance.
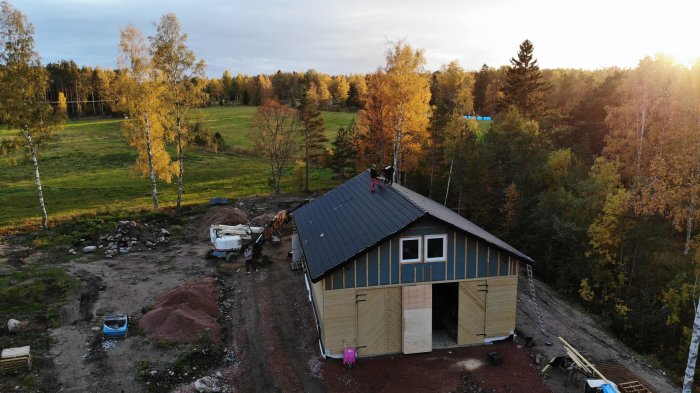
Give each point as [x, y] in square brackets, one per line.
[109, 344]
[229, 359]
[89, 249]
[131, 236]
[218, 201]
[14, 326]
[208, 385]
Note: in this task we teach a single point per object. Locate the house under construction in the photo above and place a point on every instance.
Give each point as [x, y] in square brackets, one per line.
[396, 272]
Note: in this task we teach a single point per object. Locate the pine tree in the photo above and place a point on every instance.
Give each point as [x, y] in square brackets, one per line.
[313, 131]
[483, 79]
[524, 89]
[346, 148]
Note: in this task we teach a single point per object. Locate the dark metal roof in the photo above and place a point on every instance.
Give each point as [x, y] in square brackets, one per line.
[350, 219]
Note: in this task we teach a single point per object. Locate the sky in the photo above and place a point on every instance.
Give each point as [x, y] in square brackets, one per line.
[351, 36]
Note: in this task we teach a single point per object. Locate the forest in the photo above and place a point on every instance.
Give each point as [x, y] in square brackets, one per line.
[595, 174]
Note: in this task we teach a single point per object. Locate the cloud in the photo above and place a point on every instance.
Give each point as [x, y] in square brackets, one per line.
[351, 37]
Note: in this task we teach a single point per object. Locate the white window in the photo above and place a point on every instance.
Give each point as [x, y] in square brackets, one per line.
[410, 250]
[435, 248]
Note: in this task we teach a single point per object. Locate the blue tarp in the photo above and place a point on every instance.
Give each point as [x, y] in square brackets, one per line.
[484, 118]
[607, 388]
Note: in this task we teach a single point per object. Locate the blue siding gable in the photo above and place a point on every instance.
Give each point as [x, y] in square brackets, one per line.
[466, 258]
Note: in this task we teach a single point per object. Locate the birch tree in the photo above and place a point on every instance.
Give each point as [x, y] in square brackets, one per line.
[181, 74]
[137, 92]
[409, 98]
[23, 83]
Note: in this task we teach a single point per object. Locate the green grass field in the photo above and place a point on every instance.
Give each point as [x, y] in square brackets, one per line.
[87, 169]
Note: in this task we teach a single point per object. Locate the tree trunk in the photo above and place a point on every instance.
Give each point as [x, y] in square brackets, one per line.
[692, 354]
[278, 179]
[449, 176]
[154, 190]
[689, 230]
[432, 169]
[180, 160]
[44, 216]
[306, 180]
[398, 135]
[642, 129]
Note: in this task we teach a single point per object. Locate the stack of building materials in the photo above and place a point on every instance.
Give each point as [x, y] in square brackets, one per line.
[15, 360]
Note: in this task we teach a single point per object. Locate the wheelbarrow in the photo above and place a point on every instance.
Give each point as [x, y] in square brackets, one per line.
[349, 355]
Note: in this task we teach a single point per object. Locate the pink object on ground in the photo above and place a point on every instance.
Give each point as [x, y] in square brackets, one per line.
[349, 356]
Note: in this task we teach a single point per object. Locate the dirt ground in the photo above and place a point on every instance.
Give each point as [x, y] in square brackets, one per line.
[581, 331]
[270, 335]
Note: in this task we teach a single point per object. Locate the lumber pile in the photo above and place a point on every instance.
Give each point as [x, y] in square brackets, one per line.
[633, 387]
[15, 360]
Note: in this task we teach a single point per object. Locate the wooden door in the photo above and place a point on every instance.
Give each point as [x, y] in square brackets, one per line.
[417, 318]
[471, 326]
[500, 306]
[371, 322]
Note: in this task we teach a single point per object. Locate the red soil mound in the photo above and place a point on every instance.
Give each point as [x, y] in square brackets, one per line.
[183, 314]
[225, 215]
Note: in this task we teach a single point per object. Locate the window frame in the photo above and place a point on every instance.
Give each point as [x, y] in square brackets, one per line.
[420, 249]
[442, 258]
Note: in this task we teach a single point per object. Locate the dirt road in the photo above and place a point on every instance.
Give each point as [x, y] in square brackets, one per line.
[581, 331]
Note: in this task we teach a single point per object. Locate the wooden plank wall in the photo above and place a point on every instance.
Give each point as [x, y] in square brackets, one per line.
[371, 321]
[394, 320]
[417, 318]
[399, 319]
[340, 319]
[317, 290]
[500, 306]
[471, 314]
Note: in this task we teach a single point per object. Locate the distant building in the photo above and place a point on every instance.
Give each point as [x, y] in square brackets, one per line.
[396, 272]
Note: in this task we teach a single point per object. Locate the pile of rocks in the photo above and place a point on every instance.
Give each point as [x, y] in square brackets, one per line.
[130, 236]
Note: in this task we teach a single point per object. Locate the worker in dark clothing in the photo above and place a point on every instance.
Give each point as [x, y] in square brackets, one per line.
[374, 178]
[389, 174]
[248, 254]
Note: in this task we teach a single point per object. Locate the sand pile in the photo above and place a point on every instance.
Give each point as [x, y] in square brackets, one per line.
[183, 314]
[225, 215]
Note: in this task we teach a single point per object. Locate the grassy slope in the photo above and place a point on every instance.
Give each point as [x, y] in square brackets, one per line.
[88, 169]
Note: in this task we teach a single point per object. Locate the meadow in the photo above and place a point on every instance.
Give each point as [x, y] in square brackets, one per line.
[87, 168]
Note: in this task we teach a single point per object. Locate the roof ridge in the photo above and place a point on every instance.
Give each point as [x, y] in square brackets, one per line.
[414, 203]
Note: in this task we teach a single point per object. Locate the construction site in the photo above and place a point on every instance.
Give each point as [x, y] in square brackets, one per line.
[226, 305]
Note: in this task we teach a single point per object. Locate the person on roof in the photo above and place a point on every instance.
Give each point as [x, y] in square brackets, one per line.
[374, 178]
[389, 174]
